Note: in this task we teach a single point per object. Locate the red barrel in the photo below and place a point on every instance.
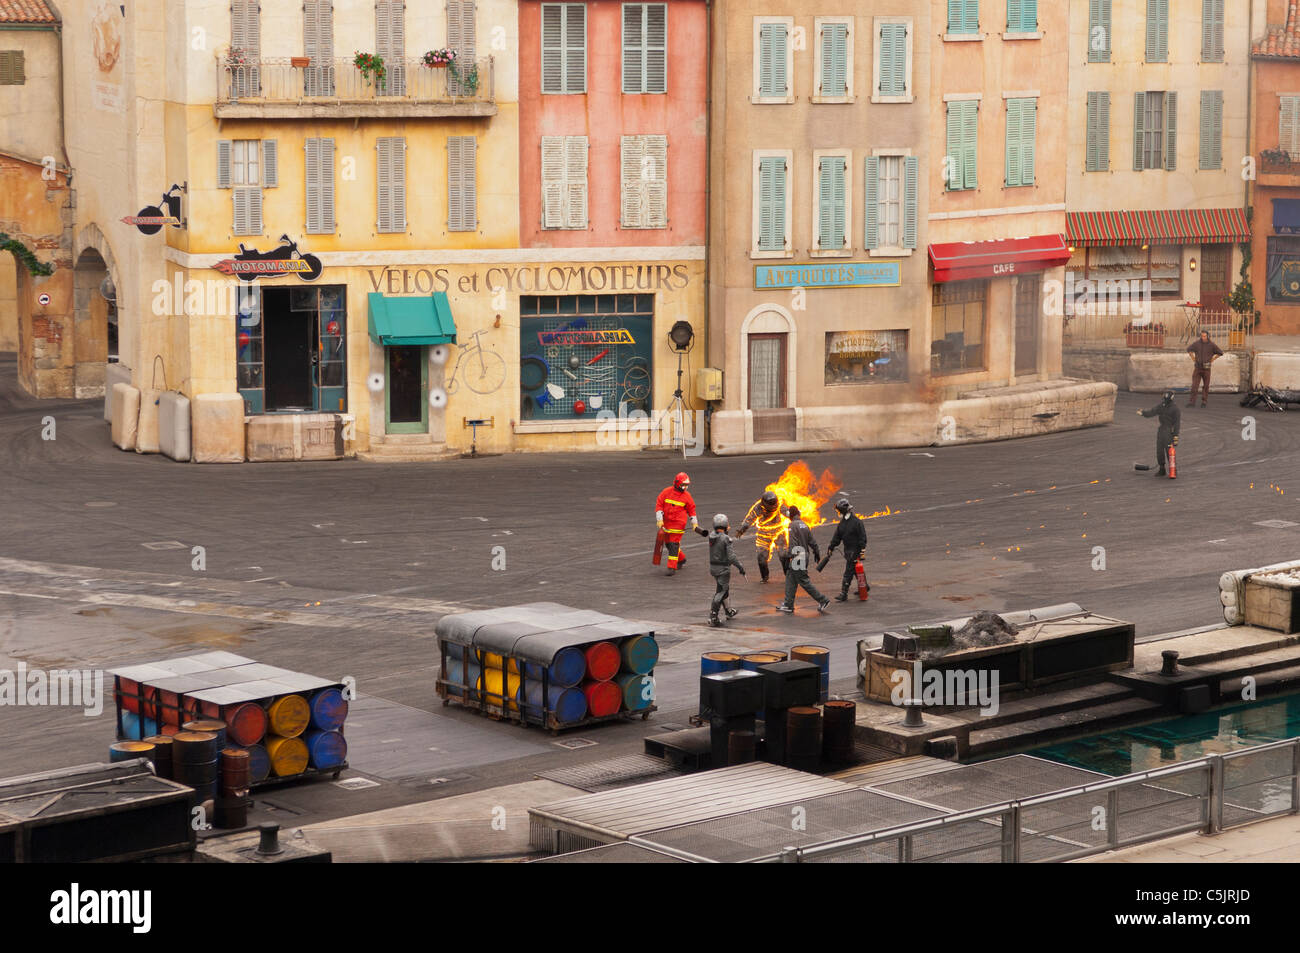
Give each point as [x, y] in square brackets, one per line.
[234, 770]
[603, 661]
[247, 723]
[603, 698]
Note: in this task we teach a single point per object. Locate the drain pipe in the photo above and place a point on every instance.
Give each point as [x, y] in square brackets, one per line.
[708, 209]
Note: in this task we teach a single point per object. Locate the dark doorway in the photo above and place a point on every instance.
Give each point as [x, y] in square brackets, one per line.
[288, 351]
[1215, 278]
[1029, 317]
[406, 413]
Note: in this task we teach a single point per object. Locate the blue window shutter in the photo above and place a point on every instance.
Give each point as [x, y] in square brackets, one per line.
[771, 203]
[893, 59]
[911, 176]
[970, 145]
[835, 59]
[871, 206]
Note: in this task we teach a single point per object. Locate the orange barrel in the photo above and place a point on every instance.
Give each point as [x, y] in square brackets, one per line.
[820, 656]
[259, 763]
[603, 698]
[491, 660]
[129, 750]
[288, 716]
[194, 762]
[326, 749]
[803, 738]
[837, 731]
[640, 653]
[234, 771]
[217, 728]
[137, 697]
[190, 709]
[638, 691]
[246, 723]
[162, 755]
[288, 755]
[490, 684]
[603, 661]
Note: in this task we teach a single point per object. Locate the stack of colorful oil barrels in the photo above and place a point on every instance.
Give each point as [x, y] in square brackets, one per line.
[280, 724]
[552, 677]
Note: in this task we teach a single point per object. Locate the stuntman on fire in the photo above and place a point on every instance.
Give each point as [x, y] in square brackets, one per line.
[769, 525]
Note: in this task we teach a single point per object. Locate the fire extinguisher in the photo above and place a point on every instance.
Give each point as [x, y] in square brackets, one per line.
[1173, 461]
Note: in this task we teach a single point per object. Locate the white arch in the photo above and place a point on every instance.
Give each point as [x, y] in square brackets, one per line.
[769, 319]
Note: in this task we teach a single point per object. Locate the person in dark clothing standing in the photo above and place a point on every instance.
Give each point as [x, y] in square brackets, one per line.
[721, 558]
[800, 547]
[1204, 352]
[852, 533]
[1171, 420]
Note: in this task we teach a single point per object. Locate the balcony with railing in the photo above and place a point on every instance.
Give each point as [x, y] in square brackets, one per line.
[1279, 169]
[302, 89]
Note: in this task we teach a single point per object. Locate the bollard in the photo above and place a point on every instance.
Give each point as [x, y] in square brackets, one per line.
[1170, 666]
[912, 713]
[270, 838]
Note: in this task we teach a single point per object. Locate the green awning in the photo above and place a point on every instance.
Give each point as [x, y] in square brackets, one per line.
[404, 321]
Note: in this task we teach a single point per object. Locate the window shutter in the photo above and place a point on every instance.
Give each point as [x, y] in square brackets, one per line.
[248, 210]
[825, 205]
[552, 48]
[390, 43]
[399, 184]
[270, 163]
[1139, 129]
[318, 43]
[970, 20]
[1288, 124]
[893, 59]
[633, 189]
[575, 54]
[911, 176]
[871, 204]
[1013, 149]
[771, 203]
[970, 145]
[1171, 131]
[1098, 132]
[1028, 139]
[955, 16]
[1157, 31]
[575, 180]
[6, 69]
[766, 58]
[1212, 31]
[955, 151]
[1099, 31]
[633, 48]
[1028, 16]
[223, 163]
[780, 40]
[833, 79]
[1014, 14]
[462, 184]
[1211, 129]
[656, 48]
[391, 184]
[656, 186]
[320, 185]
[312, 176]
[239, 204]
[553, 192]
[462, 36]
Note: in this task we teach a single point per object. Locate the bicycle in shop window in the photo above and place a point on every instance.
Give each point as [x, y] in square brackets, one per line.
[482, 370]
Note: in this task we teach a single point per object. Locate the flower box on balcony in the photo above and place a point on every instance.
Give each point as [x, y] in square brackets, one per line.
[1145, 338]
[299, 62]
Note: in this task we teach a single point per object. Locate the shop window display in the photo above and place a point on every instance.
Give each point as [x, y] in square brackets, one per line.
[866, 357]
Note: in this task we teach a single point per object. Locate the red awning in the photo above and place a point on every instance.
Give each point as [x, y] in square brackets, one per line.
[1191, 226]
[958, 261]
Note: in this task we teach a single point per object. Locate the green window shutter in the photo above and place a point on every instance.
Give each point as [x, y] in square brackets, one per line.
[772, 79]
[956, 153]
[1139, 129]
[954, 16]
[1171, 131]
[970, 21]
[1099, 31]
[1212, 31]
[911, 178]
[1013, 150]
[771, 203]
[1098, 151]
[1028, 140]
[833, 80]
[575, 48]
[1211, 129]
[1157, 36]
[1022, 16]
[893, 59]
[871, 204]
[970, 145]
[839, 233]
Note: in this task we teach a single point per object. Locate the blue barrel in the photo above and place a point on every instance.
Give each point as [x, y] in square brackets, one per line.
[328, 709]
[820, 656]
[638, 691]
[129, 750]
[325, 749]
[711, 663]
[566, 669]
[569, 705]
[456, 674]
[259, 763]
[640, 652]
[135, 727]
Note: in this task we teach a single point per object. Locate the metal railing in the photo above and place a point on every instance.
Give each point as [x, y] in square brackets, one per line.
[1279, 162]
[277, 80]
[1168, 327]
[1210, 794]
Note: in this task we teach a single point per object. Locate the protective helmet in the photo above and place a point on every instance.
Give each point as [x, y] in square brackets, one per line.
[1169, 396]
[681, 480]
[769, 499]
[844, 506]
[720, 521]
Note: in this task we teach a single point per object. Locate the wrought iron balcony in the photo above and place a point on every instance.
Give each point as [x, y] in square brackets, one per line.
[272, 88]
[1278, 162]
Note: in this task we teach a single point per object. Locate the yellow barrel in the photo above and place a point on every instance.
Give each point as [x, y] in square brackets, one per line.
[490, 685]
[491, 660]
[288, 716]
[288, 755]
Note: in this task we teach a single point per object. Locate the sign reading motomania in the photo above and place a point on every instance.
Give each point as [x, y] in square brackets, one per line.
[532, 279]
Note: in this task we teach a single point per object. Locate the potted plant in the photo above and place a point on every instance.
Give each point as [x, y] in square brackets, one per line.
[236, 57]
[370, 65]
[466, 78]
[1275, 156]
[299, 62]
[1144, 335]
[1242, 300]
[439, 59]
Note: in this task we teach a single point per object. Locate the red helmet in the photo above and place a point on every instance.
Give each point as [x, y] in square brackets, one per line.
[682, 480]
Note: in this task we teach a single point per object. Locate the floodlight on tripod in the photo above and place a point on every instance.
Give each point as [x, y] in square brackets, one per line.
[682, 338]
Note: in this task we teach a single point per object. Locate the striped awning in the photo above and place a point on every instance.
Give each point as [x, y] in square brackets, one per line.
[1162, 227]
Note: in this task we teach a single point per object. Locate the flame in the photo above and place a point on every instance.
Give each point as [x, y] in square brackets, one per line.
[798, 487]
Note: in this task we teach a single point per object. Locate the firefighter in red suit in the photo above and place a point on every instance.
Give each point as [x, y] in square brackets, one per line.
[674, 514]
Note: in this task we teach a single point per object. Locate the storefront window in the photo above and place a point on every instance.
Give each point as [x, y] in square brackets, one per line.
[1284, 270]
[1161, 264]
[581, 354]
[866, 357]
[957, 342]
[290, 349]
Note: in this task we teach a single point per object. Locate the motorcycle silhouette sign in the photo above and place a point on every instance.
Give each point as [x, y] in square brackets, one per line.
[152, 218]
[285, 259]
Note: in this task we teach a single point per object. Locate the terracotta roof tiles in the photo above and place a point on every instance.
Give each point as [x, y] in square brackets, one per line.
[1282, 41]
[26, 11]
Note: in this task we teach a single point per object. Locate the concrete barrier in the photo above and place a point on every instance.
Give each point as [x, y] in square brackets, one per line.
[113, 374]
[174, 426]
[146, 439]
[217, 428]
[126, 415]
[1279, 370]
[1027, 413]
[274, 437]
[1152, 372]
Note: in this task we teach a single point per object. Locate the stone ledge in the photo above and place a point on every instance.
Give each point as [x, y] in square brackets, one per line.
[1151, 372]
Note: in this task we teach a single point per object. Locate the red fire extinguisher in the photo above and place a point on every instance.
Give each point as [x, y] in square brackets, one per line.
[862, 580]
[1173, 468]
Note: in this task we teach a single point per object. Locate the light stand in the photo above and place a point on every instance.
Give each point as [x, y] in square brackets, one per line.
[682, 338]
